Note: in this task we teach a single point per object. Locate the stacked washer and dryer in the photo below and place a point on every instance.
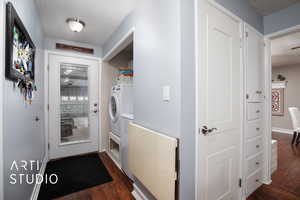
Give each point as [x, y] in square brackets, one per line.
[120, 113]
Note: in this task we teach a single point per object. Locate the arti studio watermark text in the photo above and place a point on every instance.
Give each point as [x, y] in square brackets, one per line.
[23, 173]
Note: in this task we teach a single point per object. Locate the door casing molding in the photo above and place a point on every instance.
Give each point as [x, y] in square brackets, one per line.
[268, 93]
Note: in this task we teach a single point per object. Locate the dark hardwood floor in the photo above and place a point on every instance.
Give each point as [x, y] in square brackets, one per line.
[119, 189]
[286, 179]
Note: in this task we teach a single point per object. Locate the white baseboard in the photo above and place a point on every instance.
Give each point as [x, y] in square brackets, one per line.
[282, 130]
[138, 194]
[267, 182]
[103, 150]
[37, 187]
[113, 159]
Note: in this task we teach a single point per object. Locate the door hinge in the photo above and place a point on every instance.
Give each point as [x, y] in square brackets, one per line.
[246, 34]
[177, 162]
[48, 146]
[177, 167]
[247, 96]
[240, 182]
[48, 107]
[48, 67]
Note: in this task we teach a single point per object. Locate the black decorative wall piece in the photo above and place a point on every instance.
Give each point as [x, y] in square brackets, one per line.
[20, 50]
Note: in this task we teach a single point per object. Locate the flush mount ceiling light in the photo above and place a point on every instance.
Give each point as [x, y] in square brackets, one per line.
[75, 24]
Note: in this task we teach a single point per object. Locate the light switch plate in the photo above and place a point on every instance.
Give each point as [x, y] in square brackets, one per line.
[166, 93]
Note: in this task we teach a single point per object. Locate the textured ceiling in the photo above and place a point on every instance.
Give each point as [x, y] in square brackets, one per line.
[282, 53]
[267, 7]
[101, 17]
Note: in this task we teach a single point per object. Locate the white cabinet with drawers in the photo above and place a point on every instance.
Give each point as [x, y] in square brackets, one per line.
[254, 146]
[254, 110]
[254, 128]
[253, 163]
[253, 182]
[254, 62]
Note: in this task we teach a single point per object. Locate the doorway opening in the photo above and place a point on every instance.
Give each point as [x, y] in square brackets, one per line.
[285, 62]
[282, 83]
[117, 100]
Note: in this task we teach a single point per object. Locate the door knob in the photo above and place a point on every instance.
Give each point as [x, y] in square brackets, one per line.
[205, 130]
[95, 110]
[37, 119]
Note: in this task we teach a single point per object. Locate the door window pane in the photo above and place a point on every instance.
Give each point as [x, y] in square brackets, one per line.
[74, 103]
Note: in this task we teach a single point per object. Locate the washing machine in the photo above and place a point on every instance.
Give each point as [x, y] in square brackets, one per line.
[120, 102]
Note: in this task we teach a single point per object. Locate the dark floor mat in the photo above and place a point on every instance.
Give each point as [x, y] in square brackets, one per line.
[74, 174]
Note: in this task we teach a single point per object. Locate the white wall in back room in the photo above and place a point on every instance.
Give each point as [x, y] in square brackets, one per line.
[291, 94]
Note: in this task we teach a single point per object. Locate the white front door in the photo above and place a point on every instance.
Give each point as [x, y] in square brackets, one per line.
[74, 104]
[220, 94]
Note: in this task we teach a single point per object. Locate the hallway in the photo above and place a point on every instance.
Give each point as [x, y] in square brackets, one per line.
[286, 179]
[119, 189]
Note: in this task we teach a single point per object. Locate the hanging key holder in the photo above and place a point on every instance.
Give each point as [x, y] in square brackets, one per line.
[27, 88]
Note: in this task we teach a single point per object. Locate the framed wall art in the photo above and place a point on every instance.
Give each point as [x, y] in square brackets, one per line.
[278, 101]
[20, 50]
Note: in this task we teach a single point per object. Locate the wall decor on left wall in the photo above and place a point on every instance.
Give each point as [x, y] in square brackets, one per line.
[20, 53]
[20, 50]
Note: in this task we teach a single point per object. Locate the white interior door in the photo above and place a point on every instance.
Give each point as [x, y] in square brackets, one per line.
[220, 94]
[73, 99]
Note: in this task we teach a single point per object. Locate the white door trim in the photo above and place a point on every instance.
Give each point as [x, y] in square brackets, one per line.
[46, 89]
[197, 65]
[268, 87]
[37, 187]
[2, 52]
[197, 126]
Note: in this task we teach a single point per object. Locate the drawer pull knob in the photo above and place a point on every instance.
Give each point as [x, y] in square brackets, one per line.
[257, 180]
[257, 146]
[258, 111]
[257, 129]
[258, 92]
[257, 163]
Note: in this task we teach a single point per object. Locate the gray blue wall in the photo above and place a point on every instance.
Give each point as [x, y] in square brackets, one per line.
[243, 9]
[283, 19]
[23, 137]
[188, 102]
[156, 63]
